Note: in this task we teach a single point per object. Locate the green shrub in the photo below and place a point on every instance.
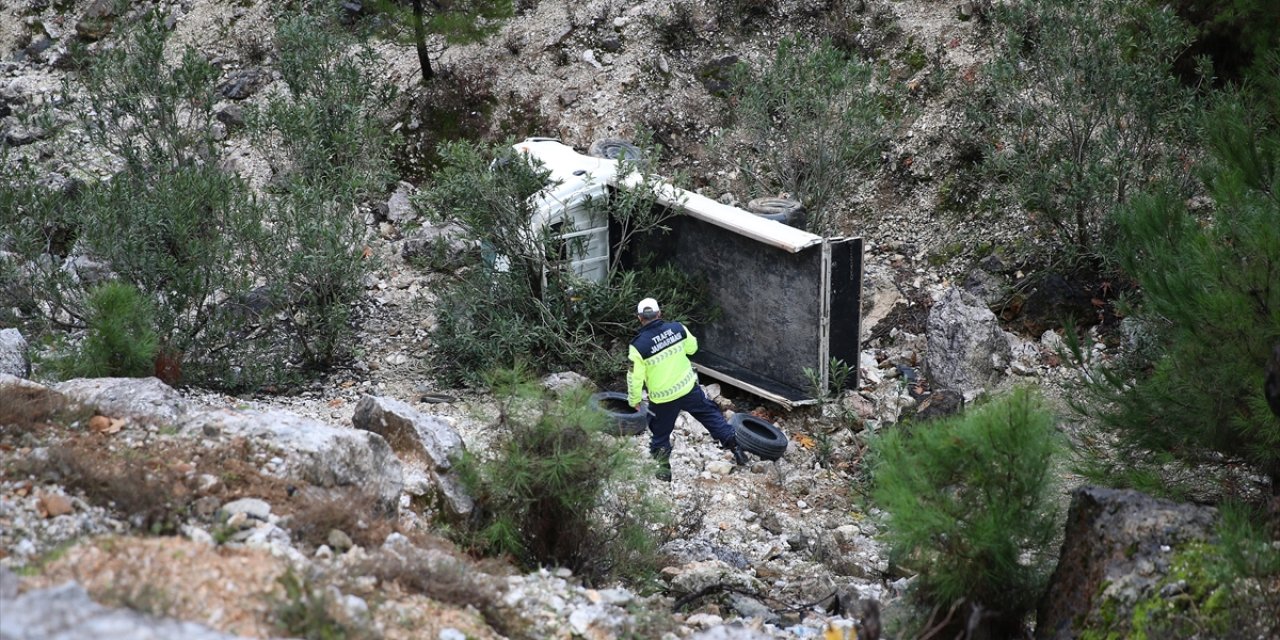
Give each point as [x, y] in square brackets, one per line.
[1082, 109]
[971, 504]
[807, 124]
[1209, 307]
[194, 239]
[553, 489]
[335, 156]
[121, 341]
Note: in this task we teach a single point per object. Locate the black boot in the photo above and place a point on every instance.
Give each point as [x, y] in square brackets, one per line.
[663, 457]
[739, 456]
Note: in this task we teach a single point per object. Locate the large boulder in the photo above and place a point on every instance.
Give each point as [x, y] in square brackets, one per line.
[421, 436]
[1116, 551]
[145, 400]
[13, 354]
[319, 453]
[67, 612]
[967, 350]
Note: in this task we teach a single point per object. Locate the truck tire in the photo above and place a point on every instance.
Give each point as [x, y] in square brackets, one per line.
[615, 149]
[785, 210]
[622, 419]
[758, 436]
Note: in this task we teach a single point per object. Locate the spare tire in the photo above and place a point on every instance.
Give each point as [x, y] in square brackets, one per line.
[615, 149]
[758, 436]
[622, 419]
[784, 210]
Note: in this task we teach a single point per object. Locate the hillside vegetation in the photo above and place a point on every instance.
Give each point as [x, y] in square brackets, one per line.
[258, 200]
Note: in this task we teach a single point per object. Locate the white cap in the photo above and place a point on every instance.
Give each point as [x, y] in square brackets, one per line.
[647, 306]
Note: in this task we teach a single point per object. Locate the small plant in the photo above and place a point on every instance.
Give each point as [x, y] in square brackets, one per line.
[306, 611]
[27, 410]
[971, 505]
[838, 373]
[554, 489]
[122, 339]
[143, 485]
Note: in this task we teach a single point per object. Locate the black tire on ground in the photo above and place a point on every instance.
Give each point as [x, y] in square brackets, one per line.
[615, 149]
[758, 436]
[623, 420]
[784, 210]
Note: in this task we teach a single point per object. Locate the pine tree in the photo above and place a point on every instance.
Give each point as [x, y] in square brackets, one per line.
[1210, 286]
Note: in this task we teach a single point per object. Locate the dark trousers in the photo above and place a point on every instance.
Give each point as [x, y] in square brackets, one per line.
[663, 420]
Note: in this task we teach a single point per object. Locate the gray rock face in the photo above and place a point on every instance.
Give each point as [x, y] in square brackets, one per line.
[141, 399]
[66, 613]
[13, 354]
[321, 454]
[445, 245]
[967, 351]
[565, 380]
[1117, 548]
[431, 438]
[726, 632]
[399, 207]
[991, 289]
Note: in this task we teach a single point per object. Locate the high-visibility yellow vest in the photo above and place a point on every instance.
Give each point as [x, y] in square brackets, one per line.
[659, 357]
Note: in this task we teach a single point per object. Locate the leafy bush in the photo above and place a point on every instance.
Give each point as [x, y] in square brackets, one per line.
[335, 155]
[807, 123]
[1209, 306]
[1237, 34]
[1083, 109]
[501, 312]
[195, 240]
[121, 340]
[971, 501]
[553, 489]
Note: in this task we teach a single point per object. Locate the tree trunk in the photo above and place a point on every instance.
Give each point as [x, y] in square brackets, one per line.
[420, 40]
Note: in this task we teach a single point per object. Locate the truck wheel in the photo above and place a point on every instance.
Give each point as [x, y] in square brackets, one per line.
[623, 420]
[615, 149]
[758, 436]
[784, 210]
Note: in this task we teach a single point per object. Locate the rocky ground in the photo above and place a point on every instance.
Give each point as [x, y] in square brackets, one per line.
[794, 533]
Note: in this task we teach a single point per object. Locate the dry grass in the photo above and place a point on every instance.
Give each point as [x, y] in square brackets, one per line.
[155, 488]
[350, 510]
[440, 572]
[34, 410]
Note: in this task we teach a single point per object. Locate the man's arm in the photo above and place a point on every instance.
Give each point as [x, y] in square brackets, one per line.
[690, 342]
[635, 377]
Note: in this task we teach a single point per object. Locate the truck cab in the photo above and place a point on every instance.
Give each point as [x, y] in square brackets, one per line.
[570, 207]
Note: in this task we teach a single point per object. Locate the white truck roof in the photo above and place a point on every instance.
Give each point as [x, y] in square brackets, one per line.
[579, 174]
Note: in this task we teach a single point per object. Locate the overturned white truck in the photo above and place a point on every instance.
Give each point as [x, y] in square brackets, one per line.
[789, 299]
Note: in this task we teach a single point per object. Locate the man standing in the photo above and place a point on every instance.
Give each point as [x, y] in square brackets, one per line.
[659, 357]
